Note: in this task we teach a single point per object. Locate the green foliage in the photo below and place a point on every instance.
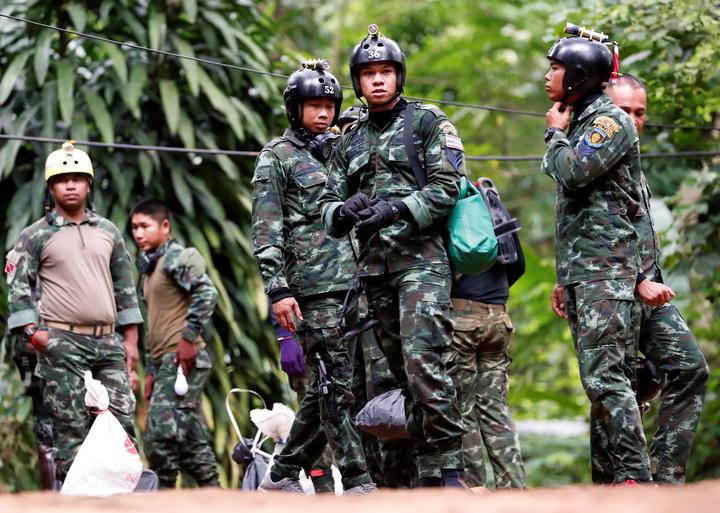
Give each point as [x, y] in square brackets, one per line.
[60, 85]
[555, 461]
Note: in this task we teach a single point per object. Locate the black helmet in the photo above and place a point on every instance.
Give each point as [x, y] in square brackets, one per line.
[376, 48]
[588, 64]
[311, 81]
[350, 115]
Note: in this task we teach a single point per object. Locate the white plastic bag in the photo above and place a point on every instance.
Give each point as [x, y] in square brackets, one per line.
[275, 423]
[107, 462]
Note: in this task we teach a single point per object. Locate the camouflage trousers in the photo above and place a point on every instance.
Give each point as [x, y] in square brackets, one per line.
[666, 340]
[321, 470]
[176, 435]
[478, 362]
[62, 366]
[604, 329]
[391, 463]
[414, 310]
[315, 424]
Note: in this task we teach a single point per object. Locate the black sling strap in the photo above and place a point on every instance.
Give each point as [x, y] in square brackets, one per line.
[410, 148]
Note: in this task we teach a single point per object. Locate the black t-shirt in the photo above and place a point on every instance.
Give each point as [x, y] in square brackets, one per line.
[492, 286]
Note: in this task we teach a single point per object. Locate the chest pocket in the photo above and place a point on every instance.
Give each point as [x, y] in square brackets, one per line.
[401, 180]
[357, 162]
[310, 185]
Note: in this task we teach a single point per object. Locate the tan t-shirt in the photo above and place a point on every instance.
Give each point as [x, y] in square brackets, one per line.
[75, 278]
[167, 307]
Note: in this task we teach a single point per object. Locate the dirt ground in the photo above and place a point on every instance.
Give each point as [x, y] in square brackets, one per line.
[695, 498]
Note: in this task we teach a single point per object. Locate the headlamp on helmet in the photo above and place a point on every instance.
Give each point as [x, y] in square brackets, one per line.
[312, 80]
[376, 48]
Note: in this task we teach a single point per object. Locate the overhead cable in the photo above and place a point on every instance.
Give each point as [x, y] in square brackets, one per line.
[252, 153]
[489, 108]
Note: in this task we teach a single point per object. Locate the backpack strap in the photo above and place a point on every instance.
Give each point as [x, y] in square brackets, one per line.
[410, 149]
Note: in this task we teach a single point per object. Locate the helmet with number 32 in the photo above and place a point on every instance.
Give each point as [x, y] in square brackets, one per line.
[376, 48]
[311, 81]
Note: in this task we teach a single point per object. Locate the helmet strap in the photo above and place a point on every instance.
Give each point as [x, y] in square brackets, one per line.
[48, 204]
[375, 107]
[91, 199]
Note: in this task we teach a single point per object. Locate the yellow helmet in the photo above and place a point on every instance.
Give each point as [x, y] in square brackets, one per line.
[68, 160]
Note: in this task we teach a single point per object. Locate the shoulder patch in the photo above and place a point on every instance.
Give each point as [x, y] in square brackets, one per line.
[191, 259]
[603, 129]
[608, 125]
[454, 142]
[448, 128]
[11, 261]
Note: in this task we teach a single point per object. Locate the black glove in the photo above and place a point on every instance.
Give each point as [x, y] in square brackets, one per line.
[346, 216]
[354, 205]
[381, 214]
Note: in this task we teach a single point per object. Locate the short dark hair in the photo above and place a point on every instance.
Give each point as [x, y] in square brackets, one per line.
[152, 207]
[631, 80]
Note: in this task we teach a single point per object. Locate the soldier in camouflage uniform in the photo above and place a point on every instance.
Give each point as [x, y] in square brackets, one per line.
[402, 262]
[293, 363]
[665, 338]
[478, 362]
[597, 168]
[180, 301]
[78, 261]
[391, 463]
[307, 275]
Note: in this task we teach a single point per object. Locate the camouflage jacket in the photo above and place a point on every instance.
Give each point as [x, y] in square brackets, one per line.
[597, 169]
[25, 260]
[649, 240]
[187, 306]
[373, 160]
[290, 243]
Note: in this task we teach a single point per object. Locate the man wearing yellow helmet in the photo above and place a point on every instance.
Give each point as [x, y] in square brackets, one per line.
[75, 262]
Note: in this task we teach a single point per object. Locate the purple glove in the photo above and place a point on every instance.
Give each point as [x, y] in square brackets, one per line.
[292, 359]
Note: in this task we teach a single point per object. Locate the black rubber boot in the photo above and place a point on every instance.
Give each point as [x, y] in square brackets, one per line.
[453, 478]
[429, 482]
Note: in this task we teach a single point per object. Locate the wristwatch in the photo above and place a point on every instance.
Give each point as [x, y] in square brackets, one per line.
[28, 333]
[550, 132]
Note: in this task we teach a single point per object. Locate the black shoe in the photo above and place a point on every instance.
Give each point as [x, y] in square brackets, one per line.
[453, 478]
[429, 482]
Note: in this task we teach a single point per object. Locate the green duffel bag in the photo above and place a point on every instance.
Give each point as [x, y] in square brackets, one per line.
[471, 246]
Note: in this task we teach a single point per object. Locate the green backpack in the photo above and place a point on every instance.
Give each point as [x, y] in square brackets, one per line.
[470, 241]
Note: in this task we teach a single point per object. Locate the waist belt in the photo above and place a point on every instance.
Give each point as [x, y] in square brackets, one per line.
[98, 330]
[465, 305]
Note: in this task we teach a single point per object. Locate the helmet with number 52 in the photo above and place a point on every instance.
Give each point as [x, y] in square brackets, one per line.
[311, 81]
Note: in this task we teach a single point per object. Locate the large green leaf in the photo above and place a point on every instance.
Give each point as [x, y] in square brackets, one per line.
[156, 29]
[222, 24]
[186, 130]
[65, 89]
[118, 61]
[190, 66]
[78, 16]
[11, 148]
[100, 114]
[191, 9]
[41, 57]
[12, 73]
[133, 90]
[180, 185]
[171, 104]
